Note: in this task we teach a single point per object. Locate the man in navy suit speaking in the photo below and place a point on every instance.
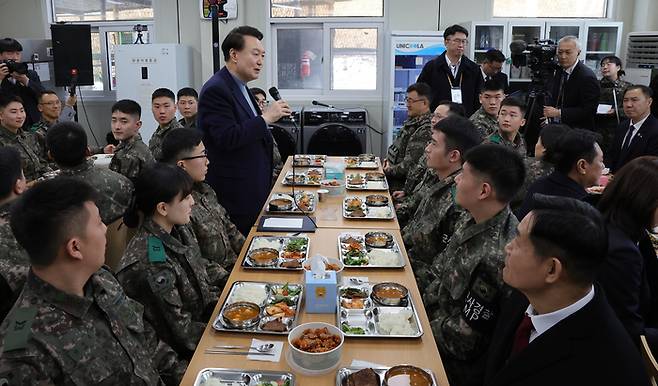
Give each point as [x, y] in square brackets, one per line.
[235, 131]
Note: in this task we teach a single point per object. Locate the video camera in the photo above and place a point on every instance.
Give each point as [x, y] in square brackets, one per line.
[539, 57]
[14, 66]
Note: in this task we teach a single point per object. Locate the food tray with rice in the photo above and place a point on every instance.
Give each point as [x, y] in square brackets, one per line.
[308, 177]
[260, 308]
[366, 181]
[235, 377]
[377, 249]
[306, 160]
[383, 310]
[277, 252]
[381, 376]
[371, 207]
[363, 161]
[282, 203]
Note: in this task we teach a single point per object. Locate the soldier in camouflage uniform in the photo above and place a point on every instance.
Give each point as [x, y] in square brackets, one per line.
[437, 214]
[405, 209]
[187, 105]
[51, 112]
[162, 267]
[486, 117]
[163, 106]
[132, 154]
[219, 239]
[12, 117]
[408, 147]
[510, 121]
[14, 262]
[72, 323]
[67, 142]
[465, 282]
[612, 93]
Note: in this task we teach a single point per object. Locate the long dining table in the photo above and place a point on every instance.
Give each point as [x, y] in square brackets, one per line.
[420, 352]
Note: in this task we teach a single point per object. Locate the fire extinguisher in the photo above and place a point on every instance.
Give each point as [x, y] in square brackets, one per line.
[305, 65]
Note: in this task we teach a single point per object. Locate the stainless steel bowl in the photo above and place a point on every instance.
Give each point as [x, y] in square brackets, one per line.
[389, 301]
[280, 204]
[418, 376]
[255, 257]
[376, 200]
[378, 240]
[241, 323]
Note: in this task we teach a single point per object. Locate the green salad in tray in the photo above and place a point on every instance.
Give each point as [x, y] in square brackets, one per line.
[346, 328]
[296, 245]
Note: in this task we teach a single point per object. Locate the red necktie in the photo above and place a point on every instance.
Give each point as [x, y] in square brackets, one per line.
[522, 335]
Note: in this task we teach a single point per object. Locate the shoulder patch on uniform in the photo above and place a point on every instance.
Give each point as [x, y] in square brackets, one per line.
[156, 252]
[19, 328]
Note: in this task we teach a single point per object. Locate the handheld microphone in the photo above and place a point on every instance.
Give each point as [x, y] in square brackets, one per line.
[274, 92]
[316, 103]
[74, 81]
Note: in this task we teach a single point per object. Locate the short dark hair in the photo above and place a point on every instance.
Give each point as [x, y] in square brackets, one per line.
[163, 92]
[47, 92]
[645, 90]
[631, 198]
[10, 170]
[494, 55]
[453, 107]
[6, 99]
[513, 102]
[235, 39]
[573, 232]
[10, 45]
[67, 142]
[492, 85]
[501, 166]
[128, 106]
[187, 91]
[574, 145]
[256, 90]
[550, 135]
[157, 183]
[422, 89]
[460, 134]
[453, 29]
[179, 143]
[48, 214]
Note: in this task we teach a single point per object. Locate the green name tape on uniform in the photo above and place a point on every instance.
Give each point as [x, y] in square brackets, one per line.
[20, 327]
[496, 138]
[156, 250]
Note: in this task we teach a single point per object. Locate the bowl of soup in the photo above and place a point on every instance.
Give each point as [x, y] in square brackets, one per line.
[280, 204]
[263, 257]
[241, 314]
[390, 294]
[407, 375]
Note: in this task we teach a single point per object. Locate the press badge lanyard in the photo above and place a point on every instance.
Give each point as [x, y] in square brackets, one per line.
[456, 92]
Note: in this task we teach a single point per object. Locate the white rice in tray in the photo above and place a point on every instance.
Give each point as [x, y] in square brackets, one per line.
[397, 324]
[386, 257]
[379, 211]
[249, 293]
[265, 243]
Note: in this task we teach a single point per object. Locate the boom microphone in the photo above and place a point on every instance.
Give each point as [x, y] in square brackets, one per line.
[274, 92]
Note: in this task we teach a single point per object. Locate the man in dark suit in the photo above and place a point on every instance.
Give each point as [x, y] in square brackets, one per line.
[491, 68]
[235, 131]
[574, 90]
[451, 75]
[25, 85]
[637, 135]
[558, 329]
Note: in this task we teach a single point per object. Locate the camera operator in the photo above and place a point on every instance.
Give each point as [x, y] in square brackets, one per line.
[16, 79]
[574, 89]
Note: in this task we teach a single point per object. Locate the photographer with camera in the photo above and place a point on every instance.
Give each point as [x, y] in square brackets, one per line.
[16, 79]
[574, 89]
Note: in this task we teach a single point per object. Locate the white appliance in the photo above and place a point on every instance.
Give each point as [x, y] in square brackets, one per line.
[143, 68]
[410, 51]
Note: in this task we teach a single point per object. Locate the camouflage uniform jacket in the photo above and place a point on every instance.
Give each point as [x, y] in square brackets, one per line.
[463, 298]
[415, 175]
[14, 263]
[115, 191]
[608, 87]
[188, 125]
[410, 203]
[410, 145]
[130, 157]
[26, 144]
[518, 145]
[485, 123]
[219, 239]
[52, 337]
[166, 273]
[433, 223]
[277, 162]
[535, 168]
[155, 143]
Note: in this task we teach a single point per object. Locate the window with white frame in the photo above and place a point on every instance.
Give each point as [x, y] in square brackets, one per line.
[101, 10]
[327, 47]
[553, 8]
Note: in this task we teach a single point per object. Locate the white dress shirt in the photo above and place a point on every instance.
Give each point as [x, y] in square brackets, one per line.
[637, 126]
[544, 322]
[454, 68]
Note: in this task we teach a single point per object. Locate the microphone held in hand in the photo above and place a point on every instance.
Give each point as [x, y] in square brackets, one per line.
[274, 92]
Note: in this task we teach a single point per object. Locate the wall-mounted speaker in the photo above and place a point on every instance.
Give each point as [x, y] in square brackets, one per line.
[72, 50]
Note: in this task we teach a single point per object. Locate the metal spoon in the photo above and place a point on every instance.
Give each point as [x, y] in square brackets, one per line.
[262, 348]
